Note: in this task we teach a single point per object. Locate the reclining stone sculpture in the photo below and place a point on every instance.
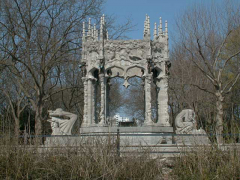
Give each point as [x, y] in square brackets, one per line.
[61, 122]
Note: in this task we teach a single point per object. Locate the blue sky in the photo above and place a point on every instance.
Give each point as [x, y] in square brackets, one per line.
[137, 9]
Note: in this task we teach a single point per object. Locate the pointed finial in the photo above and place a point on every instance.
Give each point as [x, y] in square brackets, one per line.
[155, 30]
[83, 32]
[166, 28]
[146, 25]
[103, 19]
[160, 26]
[149, 26]
[92, 33]
[89, 28]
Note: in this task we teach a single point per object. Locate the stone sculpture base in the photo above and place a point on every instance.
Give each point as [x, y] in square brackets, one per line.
[132, 135]
[145, 136]
[195, 137]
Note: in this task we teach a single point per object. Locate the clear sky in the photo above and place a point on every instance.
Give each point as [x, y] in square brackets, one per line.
[137, 10]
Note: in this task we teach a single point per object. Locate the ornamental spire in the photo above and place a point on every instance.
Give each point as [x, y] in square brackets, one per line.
[166, 28]
[160, 27]
[89, 28]
[155, 30]
[148, 26]
[83, 32]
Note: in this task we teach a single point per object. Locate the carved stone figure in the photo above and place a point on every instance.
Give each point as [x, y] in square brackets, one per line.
[185, 122]
[61, 121]
[186, 130]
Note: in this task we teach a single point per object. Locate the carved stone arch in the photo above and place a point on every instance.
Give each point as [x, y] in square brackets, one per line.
[106, 58]
[135, 71]
[156, 71]
[115, 71]
[92, 72]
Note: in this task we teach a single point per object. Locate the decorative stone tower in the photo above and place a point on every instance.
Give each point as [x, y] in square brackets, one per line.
[103, 59]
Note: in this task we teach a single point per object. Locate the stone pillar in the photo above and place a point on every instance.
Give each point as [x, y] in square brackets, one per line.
[90, 101]
[163, 116]
[107, 90]
[94, 100]
[85, 122]
[148, 111]
[102, 111]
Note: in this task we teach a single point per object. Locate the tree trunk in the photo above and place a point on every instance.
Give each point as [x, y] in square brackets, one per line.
[16, 130]
[38, 122]
[219, 118]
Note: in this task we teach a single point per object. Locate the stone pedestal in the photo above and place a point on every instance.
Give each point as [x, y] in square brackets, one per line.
[198, 137]
[149, 136]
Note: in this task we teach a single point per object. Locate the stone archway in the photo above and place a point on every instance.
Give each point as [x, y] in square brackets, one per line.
[147, 59]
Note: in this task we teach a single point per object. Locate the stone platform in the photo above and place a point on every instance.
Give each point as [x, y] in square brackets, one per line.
[149, 135]
[136, 136]
[141, 129]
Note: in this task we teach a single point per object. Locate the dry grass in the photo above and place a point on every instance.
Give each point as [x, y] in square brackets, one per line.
[208, 163]
[99, 160]
[82, 162]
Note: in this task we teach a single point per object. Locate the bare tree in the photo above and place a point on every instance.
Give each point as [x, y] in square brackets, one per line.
[38, 36]
[40, 44]
[16, 101]
[183, 93]
[204, 35]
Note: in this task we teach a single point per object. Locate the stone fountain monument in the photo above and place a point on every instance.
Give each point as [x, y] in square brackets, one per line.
[103, 59]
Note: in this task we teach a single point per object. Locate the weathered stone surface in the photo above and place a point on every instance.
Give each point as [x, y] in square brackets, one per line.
[185, 122]
[148, 129]
[61, 121]
[186, 130]
[149, 135]
[104, 59]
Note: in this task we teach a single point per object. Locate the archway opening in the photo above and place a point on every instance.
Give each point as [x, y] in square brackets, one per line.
[154, 94]
[126, 105]
[96, 96]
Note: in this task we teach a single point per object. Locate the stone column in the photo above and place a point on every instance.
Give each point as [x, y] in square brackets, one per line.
[94, 99]
[90, 101]
[148, 109]
[163, 116]
[85, 122]
[102, 111]
[107, 90]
